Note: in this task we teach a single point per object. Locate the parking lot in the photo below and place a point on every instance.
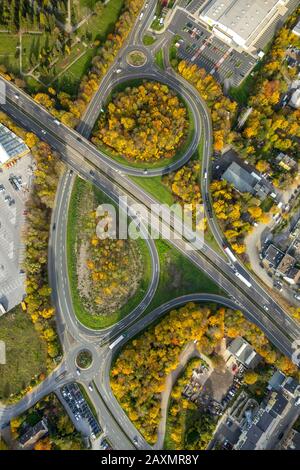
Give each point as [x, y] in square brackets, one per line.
[15, 183]
[202, 48]
[80, 410]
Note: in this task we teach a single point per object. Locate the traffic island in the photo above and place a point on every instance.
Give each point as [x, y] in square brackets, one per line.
[145, 124]
[136, 58]
[84, 359]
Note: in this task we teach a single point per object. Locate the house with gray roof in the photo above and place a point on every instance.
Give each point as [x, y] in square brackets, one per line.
[246, 181]
[243, 352]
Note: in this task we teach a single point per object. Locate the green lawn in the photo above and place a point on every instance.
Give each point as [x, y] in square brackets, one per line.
[85, 317]
[148, 40]
[159, 59]
[88, 400]
[98, 27]
[8, 51]
[178, 276]
[26, 352]
[156, 188]
[242, 92]
[102, 24]
[156, 25]
[267, 204]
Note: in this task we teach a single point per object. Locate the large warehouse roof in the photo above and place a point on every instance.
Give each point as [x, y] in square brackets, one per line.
[240, 19]
[11, 146]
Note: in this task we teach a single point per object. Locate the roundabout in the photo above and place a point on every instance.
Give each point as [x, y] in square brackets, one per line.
[136, 58]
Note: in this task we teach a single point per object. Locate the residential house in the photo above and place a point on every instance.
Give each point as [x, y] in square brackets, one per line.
[243, 352]
[286, 162]
[34, 433]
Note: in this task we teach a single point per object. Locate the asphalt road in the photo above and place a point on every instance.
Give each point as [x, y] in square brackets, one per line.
[76, 151]
[112, 178]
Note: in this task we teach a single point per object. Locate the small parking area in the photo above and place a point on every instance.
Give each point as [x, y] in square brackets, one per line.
[15, 183]
[80, 411]
[213, 388]
[218, 384]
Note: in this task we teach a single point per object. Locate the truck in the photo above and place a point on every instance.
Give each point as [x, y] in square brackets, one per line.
[117, 341]
[2, 309]
[243, 279]
[230, 254]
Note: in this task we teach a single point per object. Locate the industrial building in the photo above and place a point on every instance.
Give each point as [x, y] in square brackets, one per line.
[296, 29]
[241, 22]
[246, 180]
[11, 146]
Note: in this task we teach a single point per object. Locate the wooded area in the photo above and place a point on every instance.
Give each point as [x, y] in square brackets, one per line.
[143, 123]
[139, 373]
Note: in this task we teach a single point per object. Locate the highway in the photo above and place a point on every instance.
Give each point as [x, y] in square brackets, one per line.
[113, 178]
[76, 157]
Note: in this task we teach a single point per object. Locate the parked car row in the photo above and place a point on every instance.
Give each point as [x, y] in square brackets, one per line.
[237, 382]
[79, 407]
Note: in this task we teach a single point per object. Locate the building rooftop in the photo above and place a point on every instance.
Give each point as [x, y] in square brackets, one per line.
[290, 385]
[253, 436]
[273, 255]
[34, 433]
[296, 29]
[243, 352]
[241, 179]
[286, 264]
[295, 99]
[264, 421]
[277, 403]
[294, 441]
[293, 275]
[11, 146]
[277, 380]
[285, 161]
[240, 19]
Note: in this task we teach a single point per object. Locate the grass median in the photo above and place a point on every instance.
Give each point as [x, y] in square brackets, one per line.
[84, 316]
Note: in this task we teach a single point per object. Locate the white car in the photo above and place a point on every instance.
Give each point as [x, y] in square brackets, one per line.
[266, 308]
[78, 371]
[56, 121]
[91, 388]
